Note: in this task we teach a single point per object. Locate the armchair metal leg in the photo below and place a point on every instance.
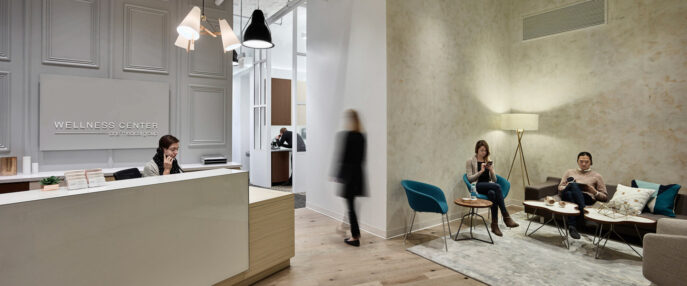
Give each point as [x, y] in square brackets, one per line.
[444, 229]
[411, 227]
[448, 222]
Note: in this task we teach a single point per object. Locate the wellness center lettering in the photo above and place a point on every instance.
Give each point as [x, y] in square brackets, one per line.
[110, 128]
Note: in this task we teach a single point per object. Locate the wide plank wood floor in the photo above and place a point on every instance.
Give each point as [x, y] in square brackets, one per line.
[322, 258]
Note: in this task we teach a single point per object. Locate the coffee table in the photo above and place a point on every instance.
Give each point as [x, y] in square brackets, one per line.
[610, 218]
[473, 205]
[570, 209]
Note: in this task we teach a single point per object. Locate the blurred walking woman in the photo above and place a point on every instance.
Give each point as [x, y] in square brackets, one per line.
[164, 162]
[350, 170]
[479, 169]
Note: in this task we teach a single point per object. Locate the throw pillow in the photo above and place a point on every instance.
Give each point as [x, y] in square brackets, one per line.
[663, 202]
[633, 198]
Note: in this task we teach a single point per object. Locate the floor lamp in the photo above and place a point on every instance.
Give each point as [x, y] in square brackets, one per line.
[520, 122]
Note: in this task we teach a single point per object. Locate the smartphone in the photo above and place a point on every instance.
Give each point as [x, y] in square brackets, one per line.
[490, 163]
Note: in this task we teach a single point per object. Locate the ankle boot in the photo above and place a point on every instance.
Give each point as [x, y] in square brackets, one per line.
[510, 222]
[495, 228]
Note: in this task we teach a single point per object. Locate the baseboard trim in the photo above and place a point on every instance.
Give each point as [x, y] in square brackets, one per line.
[342, 218]
[456, 216]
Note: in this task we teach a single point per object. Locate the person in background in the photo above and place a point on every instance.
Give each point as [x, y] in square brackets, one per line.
[350, 170]
[164, 162]
[583, 187]
[479, 169]
[285, 138]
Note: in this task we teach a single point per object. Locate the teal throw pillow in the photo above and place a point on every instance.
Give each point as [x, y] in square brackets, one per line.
[664, 202]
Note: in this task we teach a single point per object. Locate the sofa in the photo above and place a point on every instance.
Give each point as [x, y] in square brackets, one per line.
[665, 253]
[539, 192]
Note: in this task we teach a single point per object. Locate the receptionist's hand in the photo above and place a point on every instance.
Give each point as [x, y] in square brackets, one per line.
[168, 162]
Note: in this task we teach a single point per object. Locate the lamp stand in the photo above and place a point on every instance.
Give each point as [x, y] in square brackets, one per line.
[523, 165]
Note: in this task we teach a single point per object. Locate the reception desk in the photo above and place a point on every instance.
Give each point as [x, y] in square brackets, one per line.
[183, 229]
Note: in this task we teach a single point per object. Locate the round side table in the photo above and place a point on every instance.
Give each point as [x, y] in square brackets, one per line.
[473, 205]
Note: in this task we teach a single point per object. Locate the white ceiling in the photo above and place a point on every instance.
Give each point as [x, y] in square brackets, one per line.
[268, 7]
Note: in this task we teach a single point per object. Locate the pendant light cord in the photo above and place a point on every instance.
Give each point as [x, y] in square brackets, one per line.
[241, 27]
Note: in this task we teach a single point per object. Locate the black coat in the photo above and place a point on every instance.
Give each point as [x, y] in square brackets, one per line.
[286, 140]
[350, 164]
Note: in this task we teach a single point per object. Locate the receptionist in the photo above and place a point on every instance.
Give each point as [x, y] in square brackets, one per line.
[164, 162]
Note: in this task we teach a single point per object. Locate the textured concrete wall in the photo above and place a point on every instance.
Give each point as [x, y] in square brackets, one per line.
[447, 78]
[617, 90]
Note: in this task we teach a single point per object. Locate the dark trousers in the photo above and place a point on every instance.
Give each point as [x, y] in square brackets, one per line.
[352, 218]
[572, 193]
[493, 192]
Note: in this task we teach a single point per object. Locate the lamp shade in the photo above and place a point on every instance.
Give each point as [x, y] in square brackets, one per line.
[184, 43]
[519, 121]
[229, 39]
[257, 34]
[190, 26]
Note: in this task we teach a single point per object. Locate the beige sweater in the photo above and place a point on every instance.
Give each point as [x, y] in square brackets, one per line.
[592, 179]
[472, 171]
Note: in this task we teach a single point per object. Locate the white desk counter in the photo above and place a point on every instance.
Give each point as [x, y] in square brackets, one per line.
[281, 149]
[109, 171]
[183, 229]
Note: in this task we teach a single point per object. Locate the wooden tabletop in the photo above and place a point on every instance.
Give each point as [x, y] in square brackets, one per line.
[478, 203]
[570, 209]
[609, 217]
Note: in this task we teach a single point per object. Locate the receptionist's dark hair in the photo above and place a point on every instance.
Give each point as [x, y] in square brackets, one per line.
[166, 141]
[585, 153]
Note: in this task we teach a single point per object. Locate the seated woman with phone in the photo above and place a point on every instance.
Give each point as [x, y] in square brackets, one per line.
[164, 162]
[479, 169]
[583, 187]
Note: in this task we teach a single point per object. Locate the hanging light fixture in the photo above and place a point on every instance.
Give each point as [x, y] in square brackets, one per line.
[185, 43]
[190, 26]
[229, 39]
[190, 30]
[257, 34]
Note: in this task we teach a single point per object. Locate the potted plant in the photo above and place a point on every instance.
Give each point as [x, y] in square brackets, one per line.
[50, 183]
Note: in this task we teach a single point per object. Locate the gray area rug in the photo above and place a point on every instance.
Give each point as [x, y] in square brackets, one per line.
[540, 259]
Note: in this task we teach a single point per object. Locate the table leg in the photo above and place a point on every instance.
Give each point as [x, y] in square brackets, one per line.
[543, 224]
[461, 225]
[565, 225]
[641, 239]
[598, 245]
[597, 234]
[472, 215]
[630, 246]
[528, 225]
[608, 236]
[487, 228]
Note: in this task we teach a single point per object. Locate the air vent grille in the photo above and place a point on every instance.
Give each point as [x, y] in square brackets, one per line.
[578, 16]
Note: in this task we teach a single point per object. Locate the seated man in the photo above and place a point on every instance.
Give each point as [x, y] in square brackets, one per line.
[285, 138]
[583, 187]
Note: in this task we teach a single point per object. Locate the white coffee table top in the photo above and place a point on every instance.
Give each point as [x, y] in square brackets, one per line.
[595, 214]
[568, 209]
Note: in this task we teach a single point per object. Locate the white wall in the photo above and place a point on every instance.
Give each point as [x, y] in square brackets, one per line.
[347, 69]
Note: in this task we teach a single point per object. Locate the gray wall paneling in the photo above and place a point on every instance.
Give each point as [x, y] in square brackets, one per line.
[11, 78]
[117, 39]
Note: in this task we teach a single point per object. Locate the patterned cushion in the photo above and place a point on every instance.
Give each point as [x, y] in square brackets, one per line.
[630, 198]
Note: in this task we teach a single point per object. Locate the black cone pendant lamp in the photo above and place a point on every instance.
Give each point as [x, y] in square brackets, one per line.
[257, 34]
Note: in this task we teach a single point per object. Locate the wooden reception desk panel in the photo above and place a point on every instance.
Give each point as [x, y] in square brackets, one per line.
[271, 235]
